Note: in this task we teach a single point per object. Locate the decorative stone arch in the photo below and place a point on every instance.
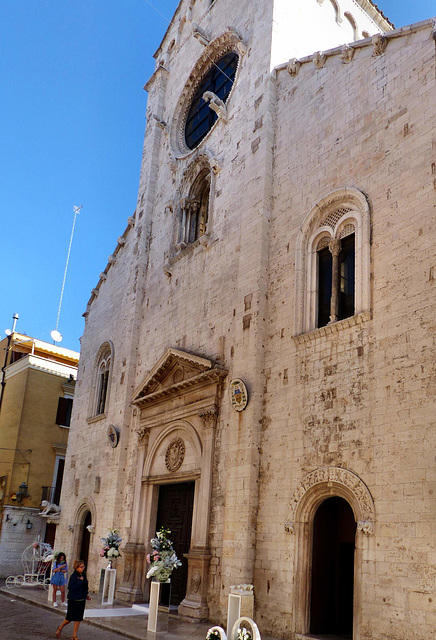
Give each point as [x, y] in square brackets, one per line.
[230, 41]
[332, 481]
[337, 9]
[178, 425]
[336, 215]
[316, 487]
[349, 16]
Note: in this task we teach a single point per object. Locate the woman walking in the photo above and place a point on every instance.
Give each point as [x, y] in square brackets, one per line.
[77, 597]
[59, 577]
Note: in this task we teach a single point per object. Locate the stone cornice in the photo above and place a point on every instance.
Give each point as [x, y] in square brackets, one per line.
[292, 66]
[202, 379]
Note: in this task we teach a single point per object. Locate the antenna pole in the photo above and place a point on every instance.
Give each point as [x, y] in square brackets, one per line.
[76, 212]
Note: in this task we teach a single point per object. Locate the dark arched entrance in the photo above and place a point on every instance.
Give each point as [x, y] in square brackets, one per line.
[175, 513]
[331, 606]
[84, 547]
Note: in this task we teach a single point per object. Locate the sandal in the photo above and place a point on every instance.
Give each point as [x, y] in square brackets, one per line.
[58, 632]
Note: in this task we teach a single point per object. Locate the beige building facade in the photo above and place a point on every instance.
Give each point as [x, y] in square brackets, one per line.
[283, 237]
[37, 390]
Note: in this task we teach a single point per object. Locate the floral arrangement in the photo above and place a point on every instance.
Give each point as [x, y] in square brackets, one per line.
[162, 559]
[213, 634]
[110, 544]
[243, 634]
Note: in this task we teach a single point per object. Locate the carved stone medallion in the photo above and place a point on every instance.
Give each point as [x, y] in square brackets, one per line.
[175, 454]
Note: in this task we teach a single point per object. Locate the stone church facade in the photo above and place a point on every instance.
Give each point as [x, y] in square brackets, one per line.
[283, 237]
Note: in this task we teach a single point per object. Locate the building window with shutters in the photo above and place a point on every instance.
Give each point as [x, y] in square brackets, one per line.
[63, 415]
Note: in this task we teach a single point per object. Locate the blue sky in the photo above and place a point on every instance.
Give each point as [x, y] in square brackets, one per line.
[72, 124]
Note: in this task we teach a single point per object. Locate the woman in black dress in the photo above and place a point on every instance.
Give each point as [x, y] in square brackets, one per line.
[77, 597]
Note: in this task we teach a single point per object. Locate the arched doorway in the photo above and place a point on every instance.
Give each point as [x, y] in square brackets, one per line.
[84, 546]
[332, 584]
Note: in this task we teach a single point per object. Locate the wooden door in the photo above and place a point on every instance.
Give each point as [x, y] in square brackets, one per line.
[175, 513]
[84, 547]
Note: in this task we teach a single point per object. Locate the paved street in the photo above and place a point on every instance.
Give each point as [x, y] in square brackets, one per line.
[22, 621]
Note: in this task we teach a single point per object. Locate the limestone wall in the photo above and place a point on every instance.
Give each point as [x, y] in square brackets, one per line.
[359, 397]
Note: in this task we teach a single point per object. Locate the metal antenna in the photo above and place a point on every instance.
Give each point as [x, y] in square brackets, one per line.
[57, 337]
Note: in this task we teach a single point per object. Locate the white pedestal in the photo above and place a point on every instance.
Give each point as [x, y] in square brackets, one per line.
[153, 606]
[157, 615]
[241, 604]
[109, 583]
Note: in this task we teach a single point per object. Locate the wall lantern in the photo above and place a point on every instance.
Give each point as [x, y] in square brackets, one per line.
[8, 518]
[29, 525]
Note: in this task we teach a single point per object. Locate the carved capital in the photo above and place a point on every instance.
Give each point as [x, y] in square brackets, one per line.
[289, 527]
[334, 246]
[143, 436]
[366, 526]
[209, 417]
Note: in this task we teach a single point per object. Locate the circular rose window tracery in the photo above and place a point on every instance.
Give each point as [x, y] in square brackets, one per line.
[219, 80]
[194, 118]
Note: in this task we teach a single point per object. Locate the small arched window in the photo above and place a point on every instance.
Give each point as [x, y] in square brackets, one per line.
[195, 210]
[104, 367]
[219, 80]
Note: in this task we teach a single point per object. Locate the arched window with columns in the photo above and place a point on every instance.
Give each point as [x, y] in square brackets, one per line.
[333, 261]
[195, 209]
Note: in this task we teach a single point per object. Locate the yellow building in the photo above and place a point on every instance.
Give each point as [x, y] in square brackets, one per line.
[36, 396]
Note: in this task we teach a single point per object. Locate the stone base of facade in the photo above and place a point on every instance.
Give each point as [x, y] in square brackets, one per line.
[131, 589]
[126, 594]
[194, 606]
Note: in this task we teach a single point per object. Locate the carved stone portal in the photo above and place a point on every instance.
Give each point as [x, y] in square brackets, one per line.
[351, 484]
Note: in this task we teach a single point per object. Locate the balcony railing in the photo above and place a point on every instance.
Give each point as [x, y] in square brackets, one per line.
[51, 494]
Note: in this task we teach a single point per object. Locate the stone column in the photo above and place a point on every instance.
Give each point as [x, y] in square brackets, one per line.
[194, 604]
[335, 249]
